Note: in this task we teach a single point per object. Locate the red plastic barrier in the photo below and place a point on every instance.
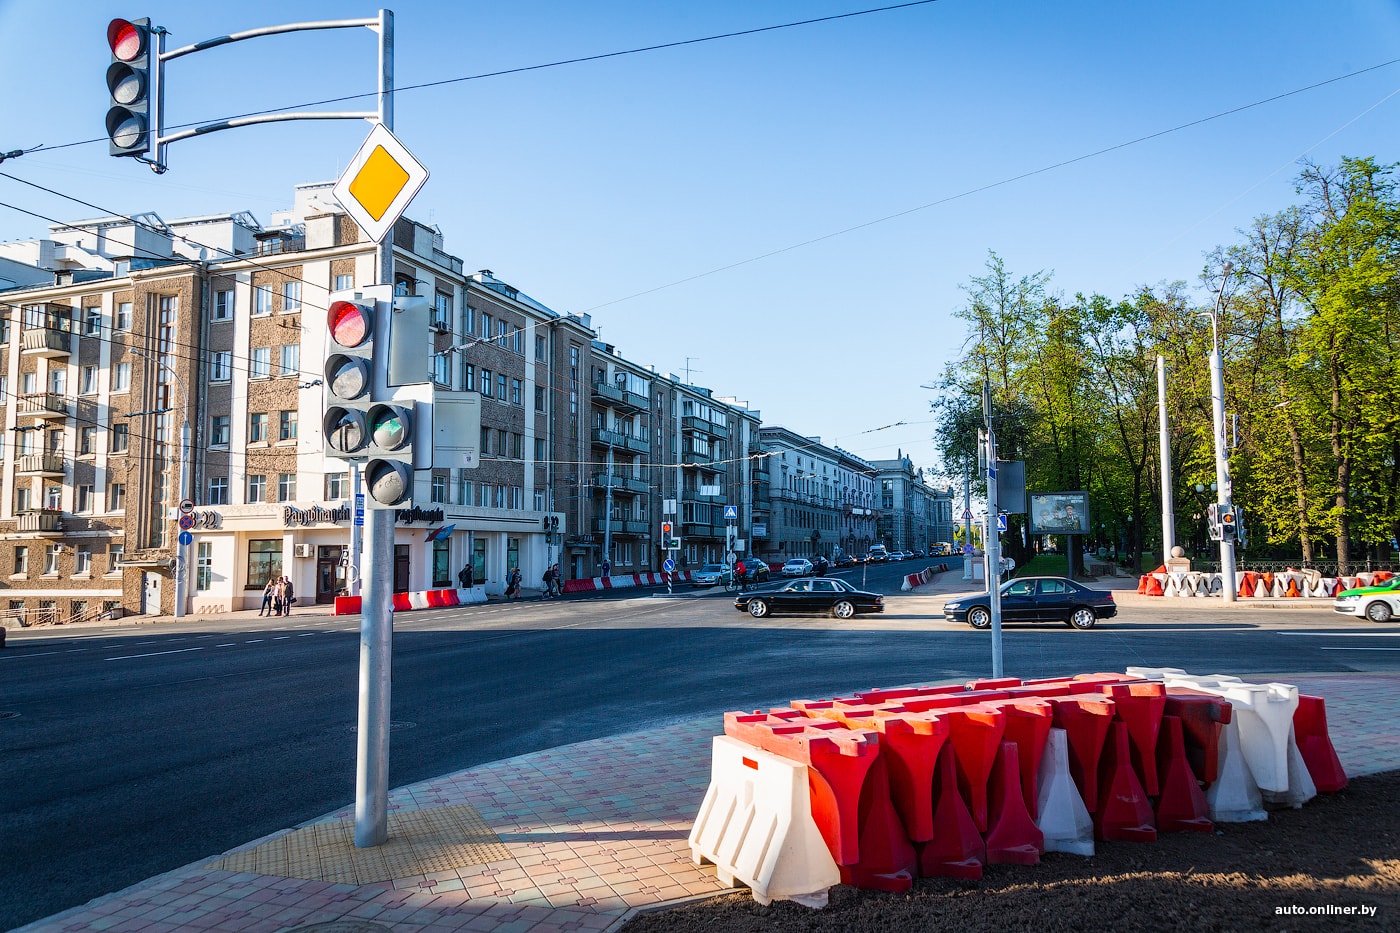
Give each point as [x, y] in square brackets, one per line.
[1154, 588]
[1124, 813]
[901, 693]
[1142, 584]
[1028, 722]
[451, 598]
[347, 605]
[435, 599]
[1085, 720]
[1140, 707]
[887, 861]
[975, 734]
[994, 683]
[1182, 805]
[956, 849]
[402, 602]
[837, 760]
[1012, 836]
[920, 704]
[1315, 745]
[1203, 719]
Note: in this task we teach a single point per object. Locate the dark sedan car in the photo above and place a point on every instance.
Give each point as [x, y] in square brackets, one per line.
[829, 595]
[1036, 599]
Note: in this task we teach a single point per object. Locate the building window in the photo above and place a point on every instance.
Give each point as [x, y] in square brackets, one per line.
[518, 339]
[92, 321]
[204, 565]
[220, 366]
[291, 359]
[115, 552]
[218, 431]
[262, 300]
[287, 426]
[442, 568]
[121, 377]
[223, 305]
[82, 560]
[51, 560]
[439, 489]
[515, 390]
[486, 325]
[260, 363]
[89, 380]
[541, 450]
[116, 497]
[486, 382]
[218, 490]
[442, 369]
[539, 398]
[264, 562]
[468, 377]
[464, 488]
[120, 437]
[257, 488]
[337, 486]
[123, 321]
[540, 347]
[344, 282]
[485, 442]
[21, 559]
[87, 441]
[442, 311]
[501, 387]
[286, 487]
[85, 498]
[291, 295]
[257, 428]
[502, 331]
[53, 496]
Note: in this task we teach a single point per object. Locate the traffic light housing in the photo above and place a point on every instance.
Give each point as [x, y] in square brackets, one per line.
[668, 537]
[1229, 529]
[348, 377]
[130, 87]
[388, 476]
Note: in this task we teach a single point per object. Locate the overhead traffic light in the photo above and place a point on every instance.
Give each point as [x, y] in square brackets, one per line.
[130, 86]
[348, 377]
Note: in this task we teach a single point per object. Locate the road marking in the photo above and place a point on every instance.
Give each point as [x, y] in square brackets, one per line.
[252, 641]
[304, 634]
[225, 645]
[20, 657]
[152, 654]
[1359, 649]
[280, 637]
[1346, 634]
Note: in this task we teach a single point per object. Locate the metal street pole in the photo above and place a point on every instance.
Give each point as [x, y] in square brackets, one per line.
[1164, 444]
[993, 539]
[1224, 494]
[967, 523]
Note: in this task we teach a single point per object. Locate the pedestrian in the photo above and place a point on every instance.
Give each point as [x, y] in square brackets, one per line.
[741, 574]
[558, 581]
[548, 580]
[269, 592]
[464, 576]
[513, 584]
[289, 596]
[607, 567]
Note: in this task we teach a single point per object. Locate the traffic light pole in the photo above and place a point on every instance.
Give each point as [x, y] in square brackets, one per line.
[376, 632]
[993, 539]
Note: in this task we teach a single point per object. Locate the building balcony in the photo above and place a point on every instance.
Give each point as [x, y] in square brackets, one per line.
[701, 530]
[638, 445]
[622, 526]
[46, 341]
[602, 437]
[626, 484]
[705, 426]
[692, 458]
[39, 465]
[694, 495]
[619, 398]
[43, 405]
[41, 522]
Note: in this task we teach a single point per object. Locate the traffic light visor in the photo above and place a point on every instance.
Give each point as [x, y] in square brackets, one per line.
[390, 427]
[347, 376]
[126, 129]
[349, 323]
[345, 430]
[126, 84]
[126, 39]
[388, 482]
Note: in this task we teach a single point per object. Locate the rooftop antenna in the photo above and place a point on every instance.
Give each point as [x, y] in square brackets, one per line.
[688, 370]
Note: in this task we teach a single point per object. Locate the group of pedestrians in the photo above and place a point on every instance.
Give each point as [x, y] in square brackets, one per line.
[278, 597]
[553, 586]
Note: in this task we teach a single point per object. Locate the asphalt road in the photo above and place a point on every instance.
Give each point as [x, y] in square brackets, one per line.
[128, 752]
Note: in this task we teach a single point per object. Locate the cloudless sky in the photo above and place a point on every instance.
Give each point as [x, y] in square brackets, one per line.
[586, 185]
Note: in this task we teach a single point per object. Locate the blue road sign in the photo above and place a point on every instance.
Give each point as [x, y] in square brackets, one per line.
[668, 565]
[360, 510]
[967, 549]
[186, 538]
[1001, 523]
[731, 512]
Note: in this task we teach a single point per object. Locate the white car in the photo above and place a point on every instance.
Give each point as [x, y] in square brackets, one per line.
[711, 575]
[1379, 603]
[797, 567]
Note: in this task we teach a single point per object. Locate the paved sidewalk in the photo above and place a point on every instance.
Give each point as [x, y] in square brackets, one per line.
[574, 838]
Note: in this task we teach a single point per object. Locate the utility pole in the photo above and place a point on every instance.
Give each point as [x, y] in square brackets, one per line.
[967, 521]
[1224, 494]
[1164, 443]
[993, 535]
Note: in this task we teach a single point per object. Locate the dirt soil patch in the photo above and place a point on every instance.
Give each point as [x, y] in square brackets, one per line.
[1338, 853]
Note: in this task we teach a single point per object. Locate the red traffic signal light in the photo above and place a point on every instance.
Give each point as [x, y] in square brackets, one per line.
[129, 87]
[128, 38]
[350, 323]
[665, 529]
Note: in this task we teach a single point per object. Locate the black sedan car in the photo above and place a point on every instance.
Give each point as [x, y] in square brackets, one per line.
[828, 595]
[1036, 599]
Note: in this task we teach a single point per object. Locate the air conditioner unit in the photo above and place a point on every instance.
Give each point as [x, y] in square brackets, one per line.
[302, 550]
[438, 327]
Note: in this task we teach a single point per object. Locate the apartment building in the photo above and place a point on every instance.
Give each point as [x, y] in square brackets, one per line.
[912, 514]
[805, 516]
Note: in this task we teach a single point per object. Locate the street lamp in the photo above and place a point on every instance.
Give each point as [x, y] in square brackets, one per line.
[181, 558]
[1222, 464]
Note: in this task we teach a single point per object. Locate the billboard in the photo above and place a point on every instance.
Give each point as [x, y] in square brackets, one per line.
[1059, 513]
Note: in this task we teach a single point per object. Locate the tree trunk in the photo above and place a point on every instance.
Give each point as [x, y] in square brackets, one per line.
[1300, 475]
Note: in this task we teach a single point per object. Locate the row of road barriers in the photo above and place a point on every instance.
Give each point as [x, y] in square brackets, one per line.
[914, 580]
[623, 581]
[877, 788]
[423, 599]
[1285, 584]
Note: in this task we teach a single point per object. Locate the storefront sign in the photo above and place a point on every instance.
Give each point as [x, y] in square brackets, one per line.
[316, 515]
[416, 514]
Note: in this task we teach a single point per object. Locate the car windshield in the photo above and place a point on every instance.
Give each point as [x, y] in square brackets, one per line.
[712, 568]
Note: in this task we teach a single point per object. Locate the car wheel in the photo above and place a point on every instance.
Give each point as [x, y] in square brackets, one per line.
[1378, 612]
[1083, 618]
[979, 618]
[843, 609]
[758, 608]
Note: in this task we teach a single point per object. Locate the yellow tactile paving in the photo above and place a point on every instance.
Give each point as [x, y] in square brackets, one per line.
[420, 842]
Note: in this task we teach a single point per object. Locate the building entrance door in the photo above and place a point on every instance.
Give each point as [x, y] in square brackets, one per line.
[330, 574]
[401, 568]
[150, 594]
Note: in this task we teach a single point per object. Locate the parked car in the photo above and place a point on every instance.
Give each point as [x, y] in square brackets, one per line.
[826, 595]
[1379, 603]
[797, 567]
[755, 571]
[843, 560]
[1036, 599]
[712, 575]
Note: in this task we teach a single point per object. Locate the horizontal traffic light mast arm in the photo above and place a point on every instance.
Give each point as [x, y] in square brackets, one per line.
[372, 22]
[269, 118]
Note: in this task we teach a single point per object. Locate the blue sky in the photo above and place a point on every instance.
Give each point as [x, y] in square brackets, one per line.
[586, 185]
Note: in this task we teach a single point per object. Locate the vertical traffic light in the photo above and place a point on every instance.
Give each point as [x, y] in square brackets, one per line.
[668, 537]
[389, 458]
[348, 377]
[129, 86]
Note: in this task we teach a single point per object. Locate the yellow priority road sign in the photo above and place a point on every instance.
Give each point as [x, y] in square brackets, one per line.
[379, 182]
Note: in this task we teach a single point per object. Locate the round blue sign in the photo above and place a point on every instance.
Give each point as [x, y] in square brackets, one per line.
[186, 538]
[668, 565]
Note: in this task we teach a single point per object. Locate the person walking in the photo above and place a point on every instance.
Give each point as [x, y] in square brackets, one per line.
[289, 596]
[269, 593]
[464, 576]
[513, 586]
[607, 567]
[548, 580]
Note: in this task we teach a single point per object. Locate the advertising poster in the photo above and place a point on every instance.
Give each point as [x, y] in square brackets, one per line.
[1059, 513]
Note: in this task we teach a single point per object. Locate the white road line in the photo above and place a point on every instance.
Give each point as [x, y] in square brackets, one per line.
[228, 644]
[252, 641]
[1360, 649]
[20, 657]
[280, 637]
[304, 634]
[128, 657]
[1345, 634]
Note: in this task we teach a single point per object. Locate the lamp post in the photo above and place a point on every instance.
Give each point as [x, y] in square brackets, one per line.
[1224, 493]
[181, 558]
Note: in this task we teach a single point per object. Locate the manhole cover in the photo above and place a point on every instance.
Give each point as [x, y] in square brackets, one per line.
[395, 725]
[7, 714]
[342, 926]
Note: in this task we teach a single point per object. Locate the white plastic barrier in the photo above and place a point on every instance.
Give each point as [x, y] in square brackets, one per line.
[1265, 716]
[756, 826]
[1234, 797]
[1064, 819]
[1301, 787]
[476, 594]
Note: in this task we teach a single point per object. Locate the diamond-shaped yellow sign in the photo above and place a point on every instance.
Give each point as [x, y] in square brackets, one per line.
[379, 182]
